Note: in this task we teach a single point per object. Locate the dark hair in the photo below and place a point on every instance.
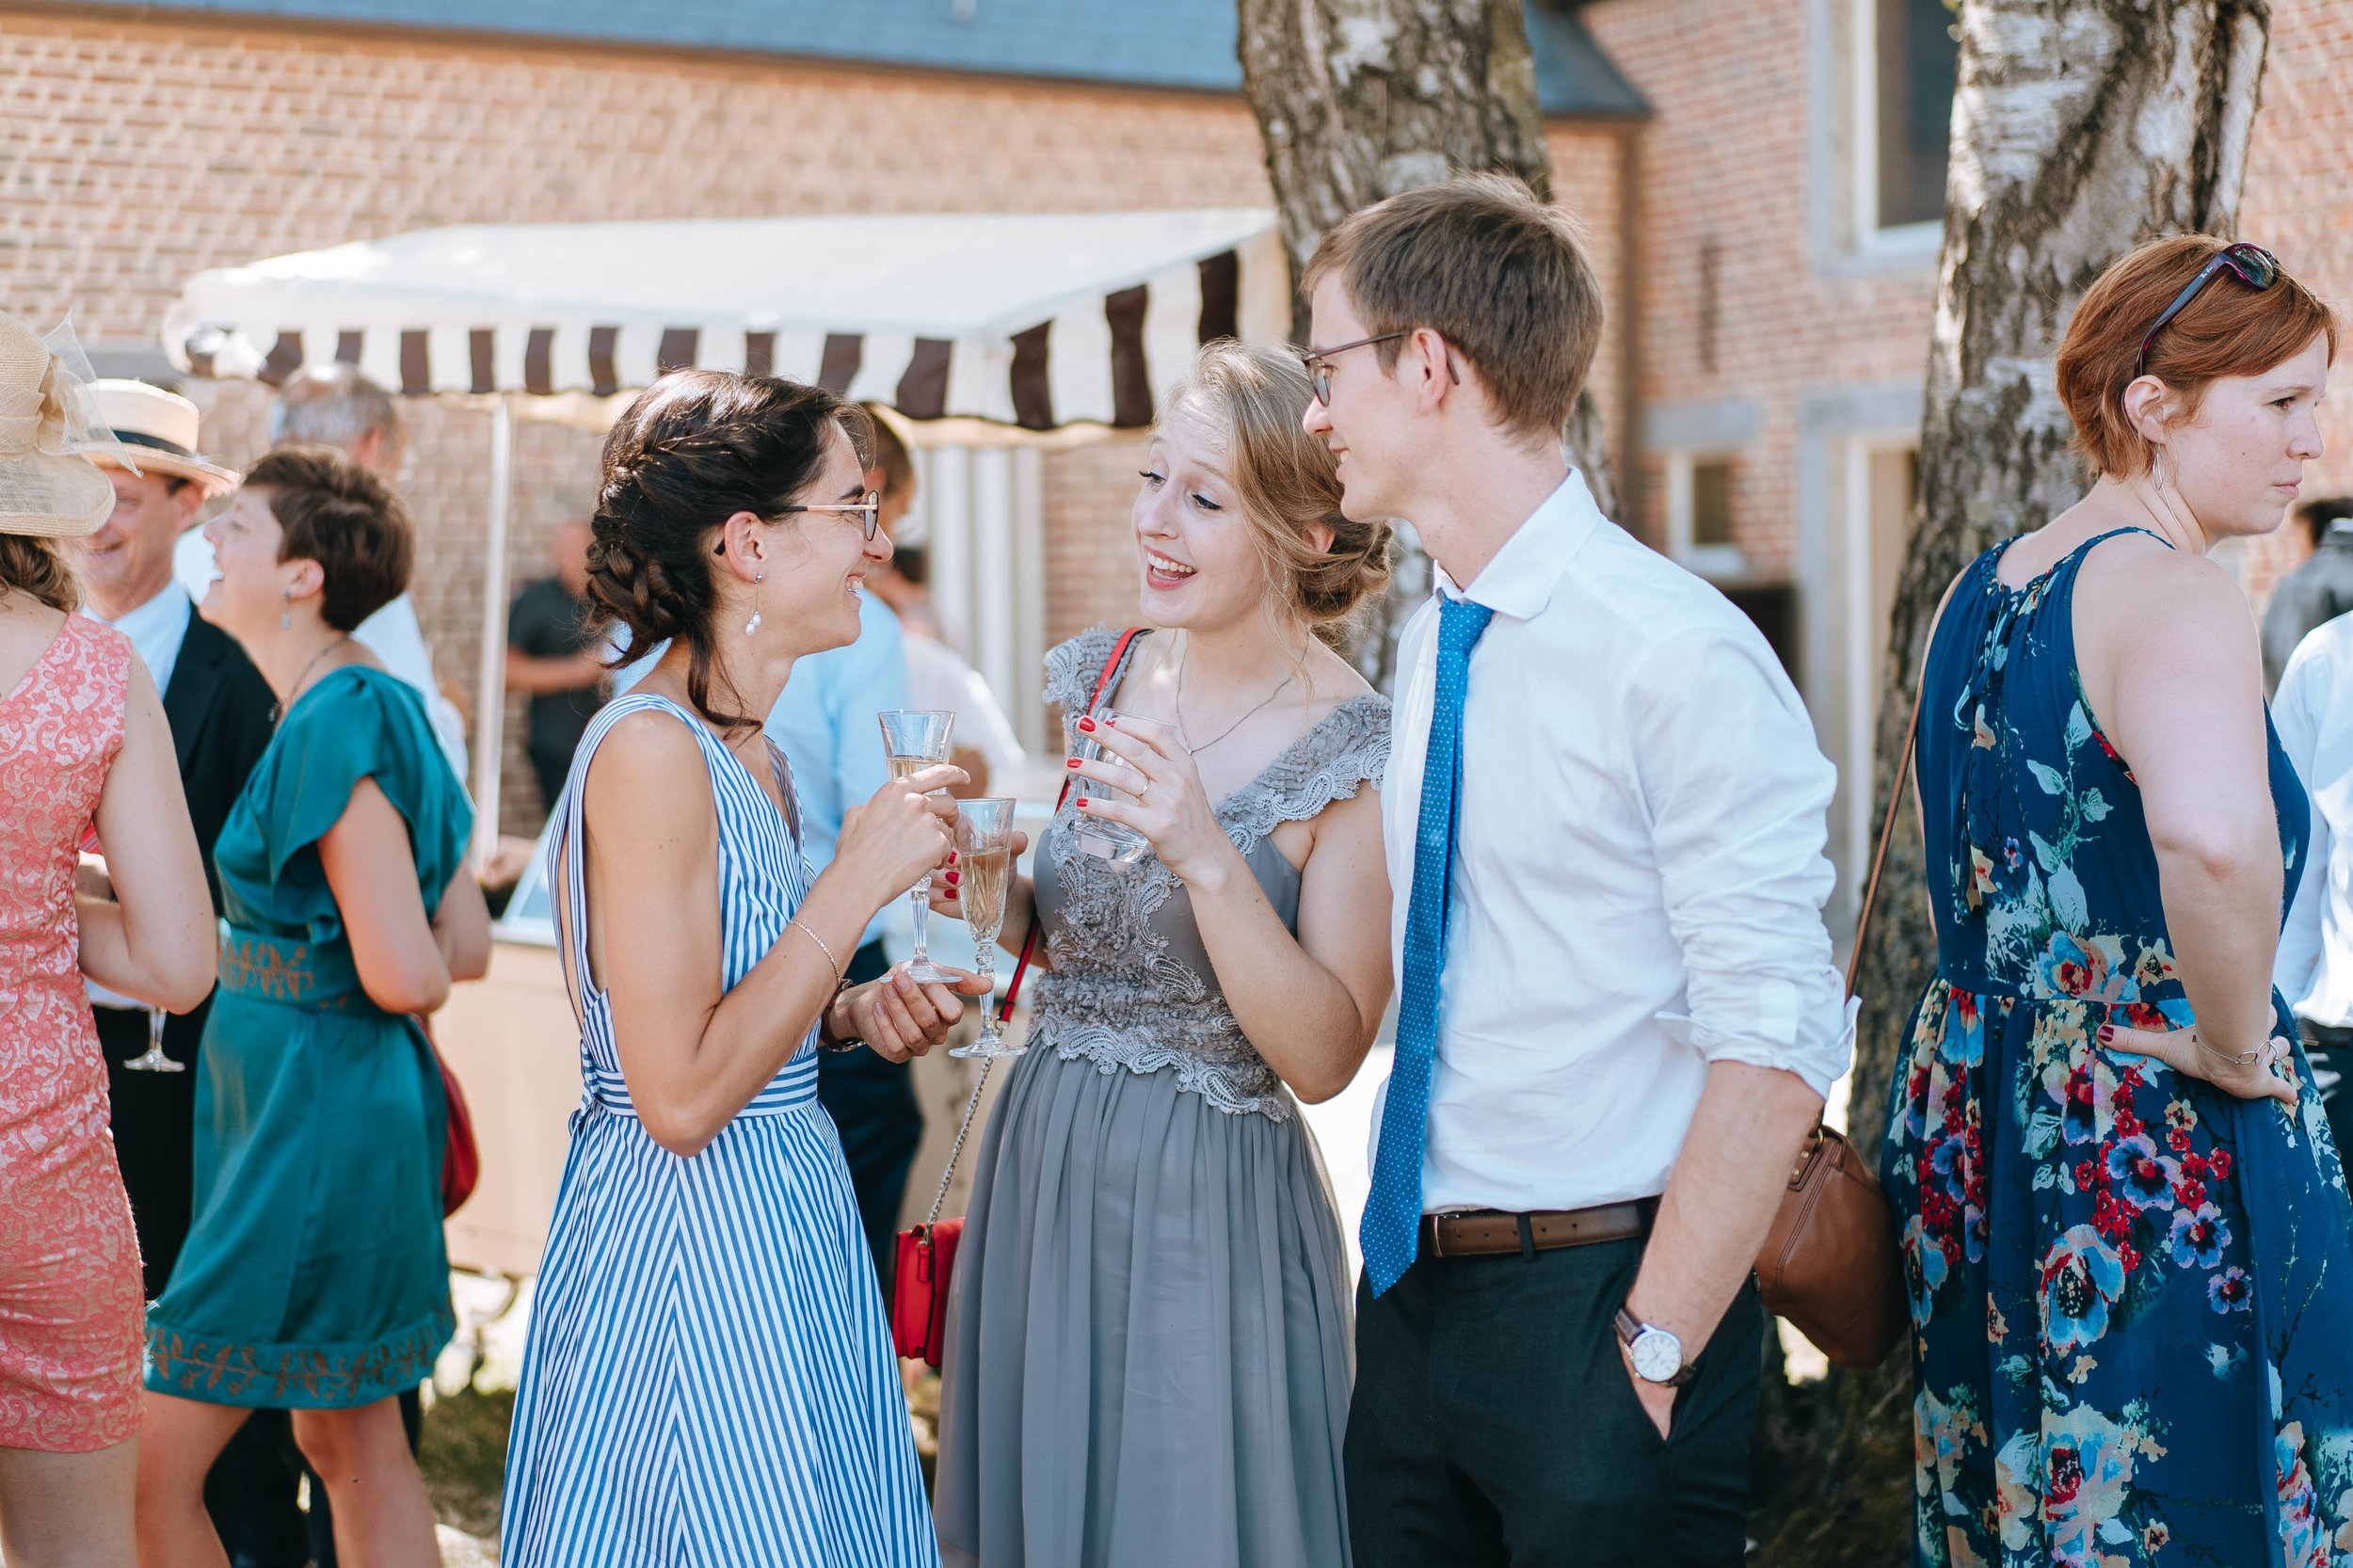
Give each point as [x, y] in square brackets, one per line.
[1490, 268]
[2228, 329]
[338, 514]
[912, 562]
[40, 566]
[2316, 515]
[695, 448]
[889, 454]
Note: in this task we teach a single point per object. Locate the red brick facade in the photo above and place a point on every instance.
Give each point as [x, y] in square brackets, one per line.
[1770, 331]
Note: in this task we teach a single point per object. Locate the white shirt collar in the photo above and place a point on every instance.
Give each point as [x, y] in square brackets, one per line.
[156, 629]
[1519, 579]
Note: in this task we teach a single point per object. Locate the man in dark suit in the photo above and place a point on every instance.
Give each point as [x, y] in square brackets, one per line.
[221, 712]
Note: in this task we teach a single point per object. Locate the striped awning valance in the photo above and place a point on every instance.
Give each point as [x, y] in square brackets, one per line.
[1036, 320]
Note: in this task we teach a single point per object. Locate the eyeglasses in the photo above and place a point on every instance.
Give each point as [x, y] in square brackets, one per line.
[1320, 374]
[868, 511]
[2251, 265]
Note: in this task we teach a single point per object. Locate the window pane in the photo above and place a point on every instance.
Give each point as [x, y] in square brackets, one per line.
[1918, 60]
[1711, 502]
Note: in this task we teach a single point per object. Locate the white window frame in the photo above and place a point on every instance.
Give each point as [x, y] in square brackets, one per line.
[1718, 562]
[1871, 238]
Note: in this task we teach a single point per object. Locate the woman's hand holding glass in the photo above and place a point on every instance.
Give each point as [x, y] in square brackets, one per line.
[1162, 796]
[898, 837]
[899, 1017]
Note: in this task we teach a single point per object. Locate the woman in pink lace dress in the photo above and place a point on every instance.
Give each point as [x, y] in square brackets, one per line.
[86, 761]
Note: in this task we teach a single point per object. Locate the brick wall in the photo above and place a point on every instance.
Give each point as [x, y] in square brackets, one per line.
[134, 153]
[1724, 169]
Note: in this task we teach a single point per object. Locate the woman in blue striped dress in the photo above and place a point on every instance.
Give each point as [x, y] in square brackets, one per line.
[708, 1379]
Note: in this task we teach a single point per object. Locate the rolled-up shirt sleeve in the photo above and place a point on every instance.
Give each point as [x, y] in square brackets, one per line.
[1736, 791]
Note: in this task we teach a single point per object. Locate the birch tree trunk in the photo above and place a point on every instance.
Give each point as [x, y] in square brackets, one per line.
[1357, 99]
[2080, 129]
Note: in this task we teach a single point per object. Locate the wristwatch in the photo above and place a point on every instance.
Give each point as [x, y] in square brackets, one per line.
[1656, 1354]
[846, 1043]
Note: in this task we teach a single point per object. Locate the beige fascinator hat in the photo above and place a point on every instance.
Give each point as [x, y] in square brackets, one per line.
[157, 430]
[49, 488]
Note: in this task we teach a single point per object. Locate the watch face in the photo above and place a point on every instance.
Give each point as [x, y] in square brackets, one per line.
[1658, 1356]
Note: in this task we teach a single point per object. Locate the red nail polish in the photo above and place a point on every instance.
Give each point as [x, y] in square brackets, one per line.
[951, 858]
[1072, 763]
[2108, 1035]
[1086, 724]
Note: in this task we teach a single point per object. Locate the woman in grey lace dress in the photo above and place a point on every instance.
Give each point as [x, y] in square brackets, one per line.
[1148, 1361]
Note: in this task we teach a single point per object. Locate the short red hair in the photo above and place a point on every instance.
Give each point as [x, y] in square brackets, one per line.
[2228, 329]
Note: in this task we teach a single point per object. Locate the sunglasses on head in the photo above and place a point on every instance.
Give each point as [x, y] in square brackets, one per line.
[2251, 265]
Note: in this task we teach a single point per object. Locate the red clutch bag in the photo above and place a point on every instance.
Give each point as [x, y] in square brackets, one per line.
[927, 1253]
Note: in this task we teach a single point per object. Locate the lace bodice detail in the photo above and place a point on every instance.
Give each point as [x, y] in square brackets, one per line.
[1131, 988]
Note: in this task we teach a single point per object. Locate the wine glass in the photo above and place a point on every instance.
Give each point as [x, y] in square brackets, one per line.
[1100, 836]
[916, 739]
[985, 854]
[153, 1060]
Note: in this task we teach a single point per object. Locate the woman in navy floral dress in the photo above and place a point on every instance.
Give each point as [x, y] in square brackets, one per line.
[2127, 1239]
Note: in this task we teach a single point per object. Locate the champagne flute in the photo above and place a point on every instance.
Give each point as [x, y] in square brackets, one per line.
[985, 843]
[153, 1060]
[913, 740]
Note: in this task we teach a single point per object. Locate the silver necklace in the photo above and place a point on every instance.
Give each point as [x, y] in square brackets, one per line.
[1187, 658]
[278, 710]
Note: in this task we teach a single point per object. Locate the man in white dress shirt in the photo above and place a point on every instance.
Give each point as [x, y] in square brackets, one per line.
[1617, 1015]
[2314, 967]
[336, 406]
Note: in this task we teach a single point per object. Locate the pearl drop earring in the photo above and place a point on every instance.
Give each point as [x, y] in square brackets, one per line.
[753, 625]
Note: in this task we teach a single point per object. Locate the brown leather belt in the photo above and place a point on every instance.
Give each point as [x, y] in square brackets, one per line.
[1486, 1232]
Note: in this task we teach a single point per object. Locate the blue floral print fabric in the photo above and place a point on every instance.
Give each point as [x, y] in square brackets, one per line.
[2132, 1293]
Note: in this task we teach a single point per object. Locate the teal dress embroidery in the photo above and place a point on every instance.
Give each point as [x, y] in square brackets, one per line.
[314, 1275]
[2132, 1293]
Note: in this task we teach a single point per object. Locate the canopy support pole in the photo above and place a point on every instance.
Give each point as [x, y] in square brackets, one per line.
[489, 722]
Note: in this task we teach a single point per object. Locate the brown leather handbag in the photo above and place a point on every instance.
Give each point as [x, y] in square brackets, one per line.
[1831, 1264]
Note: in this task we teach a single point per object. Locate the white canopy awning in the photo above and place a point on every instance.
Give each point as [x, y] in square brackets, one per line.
[1036, 320]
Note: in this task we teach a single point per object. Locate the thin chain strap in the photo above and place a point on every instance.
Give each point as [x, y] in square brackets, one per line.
[949, 1173]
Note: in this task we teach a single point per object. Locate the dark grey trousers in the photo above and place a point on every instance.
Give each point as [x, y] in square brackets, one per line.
[1494, 1423]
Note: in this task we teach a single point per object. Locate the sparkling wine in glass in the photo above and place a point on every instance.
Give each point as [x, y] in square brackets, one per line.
[913, 740]
[153, 1060]
[985, 854]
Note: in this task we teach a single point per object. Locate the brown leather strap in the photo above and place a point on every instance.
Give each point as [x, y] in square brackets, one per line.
[1486, 1232]
[1887, 831]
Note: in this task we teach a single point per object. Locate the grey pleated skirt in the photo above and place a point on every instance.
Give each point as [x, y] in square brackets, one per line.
[1151, 1347]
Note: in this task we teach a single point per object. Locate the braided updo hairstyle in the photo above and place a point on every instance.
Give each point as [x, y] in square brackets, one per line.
[1288, 481]
[695, 448]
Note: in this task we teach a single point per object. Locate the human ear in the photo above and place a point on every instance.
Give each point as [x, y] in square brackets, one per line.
[1319, 536]
[2148, 409]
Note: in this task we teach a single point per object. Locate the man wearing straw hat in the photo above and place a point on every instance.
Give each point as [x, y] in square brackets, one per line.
[219, 709]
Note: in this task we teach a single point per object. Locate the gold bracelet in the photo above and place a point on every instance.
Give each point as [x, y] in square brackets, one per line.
[839, 978]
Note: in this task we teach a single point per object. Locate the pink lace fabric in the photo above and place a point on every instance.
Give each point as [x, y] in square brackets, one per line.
[70, 1294]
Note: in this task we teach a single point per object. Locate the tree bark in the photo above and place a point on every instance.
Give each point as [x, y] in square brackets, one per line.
[2081, 128]
[1357, 99]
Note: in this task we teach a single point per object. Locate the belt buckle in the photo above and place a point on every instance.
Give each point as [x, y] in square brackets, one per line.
[1438, 1222]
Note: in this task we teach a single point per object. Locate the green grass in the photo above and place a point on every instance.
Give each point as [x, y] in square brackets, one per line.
[463, 1455]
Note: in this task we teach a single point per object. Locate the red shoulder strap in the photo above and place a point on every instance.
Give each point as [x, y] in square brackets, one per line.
[1029, 943]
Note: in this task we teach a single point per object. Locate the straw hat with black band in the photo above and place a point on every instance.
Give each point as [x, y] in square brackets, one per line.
[158, 432]
[49, 490]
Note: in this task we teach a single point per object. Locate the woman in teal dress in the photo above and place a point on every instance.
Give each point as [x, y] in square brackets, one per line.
[315, 1277]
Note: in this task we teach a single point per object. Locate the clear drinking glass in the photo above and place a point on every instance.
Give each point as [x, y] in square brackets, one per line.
[984, 855]
[916, 739]
[1105, 839]
[153, 1060]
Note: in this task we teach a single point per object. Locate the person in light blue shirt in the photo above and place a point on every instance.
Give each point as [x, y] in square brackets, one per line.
[826, 723]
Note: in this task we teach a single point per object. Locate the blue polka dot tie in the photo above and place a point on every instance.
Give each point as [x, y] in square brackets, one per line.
[1391, 1229]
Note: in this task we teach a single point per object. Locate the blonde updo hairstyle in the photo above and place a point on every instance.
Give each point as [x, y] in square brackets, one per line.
[1287, 482]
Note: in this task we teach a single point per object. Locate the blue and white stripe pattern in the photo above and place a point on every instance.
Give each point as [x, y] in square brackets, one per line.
[708, 1379]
